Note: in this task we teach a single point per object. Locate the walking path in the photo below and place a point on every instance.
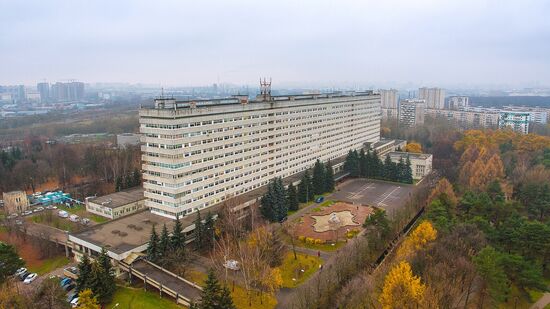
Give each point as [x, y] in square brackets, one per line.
[542, 302]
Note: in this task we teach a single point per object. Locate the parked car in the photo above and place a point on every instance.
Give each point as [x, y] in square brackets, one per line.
[20, 271]
[12, 216]
[85, 221]
[71, 296]
[63, 214]
[320, 199]
[65, 281]
[74, 302]
[28, 212]
[19, 222]
[73, 218]
[30, 278]
[69, 287]
[23, 275]
[39, 208]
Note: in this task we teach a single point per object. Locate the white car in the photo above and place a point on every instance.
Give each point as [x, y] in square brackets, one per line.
[26, 213]
[63, 214]
[74, 302]
[74, 218]
[12, 216]
[40, 208]
[30, 278]
[20, 271]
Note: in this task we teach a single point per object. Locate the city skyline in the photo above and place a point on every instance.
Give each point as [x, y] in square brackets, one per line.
[298, 44]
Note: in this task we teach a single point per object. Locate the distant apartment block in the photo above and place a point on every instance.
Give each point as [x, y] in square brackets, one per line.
[458, 102]
[127, 139]
[411, 112]
[469, 117]
[390, 113]
[389, 98]
[517, 120]
[538, 114]
[117, 204]
[199, 153]
[434, 97]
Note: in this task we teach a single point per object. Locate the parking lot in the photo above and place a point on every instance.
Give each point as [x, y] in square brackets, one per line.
[386, 195]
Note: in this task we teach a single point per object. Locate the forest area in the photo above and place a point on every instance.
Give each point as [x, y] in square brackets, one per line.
[81, 169]
[484, 240]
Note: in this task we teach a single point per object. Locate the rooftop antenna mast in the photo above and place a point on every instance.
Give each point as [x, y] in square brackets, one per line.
[265, 89]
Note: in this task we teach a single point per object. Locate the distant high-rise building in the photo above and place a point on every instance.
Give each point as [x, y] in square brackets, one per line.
[75, 91]
[411, 112]
[72, 91]
[44, 90]
[458, 102]
[389, 98]
[434, 97]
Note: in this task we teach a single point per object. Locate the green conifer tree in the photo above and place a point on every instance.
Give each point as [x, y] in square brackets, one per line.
[199, 232]
[318, 179]
[153, 246]
[177, 241]
[292, 198]
[329, 177]
[164, 242]
[84, 273]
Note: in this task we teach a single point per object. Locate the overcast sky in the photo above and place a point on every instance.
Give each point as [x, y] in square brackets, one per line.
[330, 43]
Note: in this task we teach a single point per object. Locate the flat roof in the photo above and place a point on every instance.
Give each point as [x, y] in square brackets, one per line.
[172, 103]
[403, 154]
[121, 198]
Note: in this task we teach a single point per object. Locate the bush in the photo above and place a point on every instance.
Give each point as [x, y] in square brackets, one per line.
[301, 238]
[310, 240]
[319, 241]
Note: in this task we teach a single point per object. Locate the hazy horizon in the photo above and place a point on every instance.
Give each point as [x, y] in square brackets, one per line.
[297, 43]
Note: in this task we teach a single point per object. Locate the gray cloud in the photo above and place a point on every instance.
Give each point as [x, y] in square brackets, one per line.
[308, 42]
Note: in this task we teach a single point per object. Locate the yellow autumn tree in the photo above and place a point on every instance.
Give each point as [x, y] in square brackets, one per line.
[402, 289]
[413, 147]
[86, 300]
[417, 239]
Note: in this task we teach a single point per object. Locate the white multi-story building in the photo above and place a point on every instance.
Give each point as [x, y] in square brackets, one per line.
[411, 112]
[198, 153]
[434, 97]
[458, 102]
[518, 121]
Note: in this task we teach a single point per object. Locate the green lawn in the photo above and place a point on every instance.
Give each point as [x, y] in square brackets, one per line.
[134, 298]
[80, 210]
[238, 293]
[291, 269]
[322, 247]
[49, 265]
[54, 221]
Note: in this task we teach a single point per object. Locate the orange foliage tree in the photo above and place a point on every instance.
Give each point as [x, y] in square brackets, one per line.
[413, 147]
